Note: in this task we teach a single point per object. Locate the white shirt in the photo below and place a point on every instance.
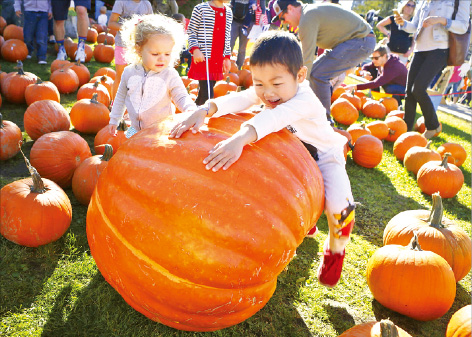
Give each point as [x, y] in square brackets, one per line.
[102, 19]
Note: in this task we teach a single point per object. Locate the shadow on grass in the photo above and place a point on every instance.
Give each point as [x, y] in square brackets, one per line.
[339, 316]
[423, 329]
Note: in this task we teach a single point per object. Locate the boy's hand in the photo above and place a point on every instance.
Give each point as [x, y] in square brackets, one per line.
[227, 152]
[18, 13]
[194, 121]
[112, 130]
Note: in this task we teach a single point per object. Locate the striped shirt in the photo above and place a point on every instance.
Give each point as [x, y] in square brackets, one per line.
[200, 29]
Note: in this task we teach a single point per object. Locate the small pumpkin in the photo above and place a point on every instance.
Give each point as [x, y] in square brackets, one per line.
[13, 32]
[355, 100]
[458, 153]
[48, 210]
[416, 156]
[396, 113]
[92, 35]
[104, 80]
[374, 109]
[437, 176]
[106, 38]
[460, 323]
[357, 130]
[384, 328]
[104, 53]
[58, 64]
[421, 128]
[400, 279]
[337, 93]
[45, 116]
[72, 49]
[234, 78]
[89, 115]
[396, 127]
[15, 83]
[243, 74]
[82, 72]
[86, 175]
[103, 137]
[107, 71]
[378, 129]
[389, 103]
[222, 87]
[367, 151]
[406, 141]
[56, 155]
[14, 50]
[3, 24]
[344, 112]
[88, 90]
[41, 91]
[436, 233]
[10, 136]
[66, 80]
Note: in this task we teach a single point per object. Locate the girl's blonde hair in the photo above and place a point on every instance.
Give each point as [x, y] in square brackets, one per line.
[402, 5]
[136, 31]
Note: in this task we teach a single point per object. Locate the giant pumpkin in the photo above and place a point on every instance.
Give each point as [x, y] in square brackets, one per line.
[194, 249]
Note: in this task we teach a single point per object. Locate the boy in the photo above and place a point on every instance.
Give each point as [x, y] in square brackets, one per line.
[280, 83]
[36, 17]
[103, 18]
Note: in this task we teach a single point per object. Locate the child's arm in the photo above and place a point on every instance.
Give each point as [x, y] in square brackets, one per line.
[119, 107]
[227, 152]
[194, 121]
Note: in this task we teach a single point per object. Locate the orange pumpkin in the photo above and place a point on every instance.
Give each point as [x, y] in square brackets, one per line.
[458, 153]
[460, 323]
[72, 49]
[104, 137]
[437, 176]
[48, 215]
[396, 113]
[99, 28]
[40, 91]
[389, 103]
[3, 24]
[396, 127]
[58, 64]
[185, 80]
[45, 116]
[378, 129]
[92, 35]
[243, 74]
[367, 151]
[13, 32]
[357, 130]
[222, 87]
[421, 128]
[344, 112]
[374, 109]
[106, 38]
[87, 174]
[337, 93]
[107, 71]
[10, 136]
[436, 233]
[407, 141]
[376, 329]
[234, 78]
[355, 100]
[400, 279]
[15, 83]
[416, 156]
[14, 50]
[165, 253]
[104, 53]
[82, 72]
[56, 155]
[104, 80]
[90, 89]
[89, 115]
[66, 80]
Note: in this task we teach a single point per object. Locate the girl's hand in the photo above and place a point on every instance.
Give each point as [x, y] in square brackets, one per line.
[198, 56]
[226, 65]
[112, 130]
[398, 19]
[432, 20]
[194, 121]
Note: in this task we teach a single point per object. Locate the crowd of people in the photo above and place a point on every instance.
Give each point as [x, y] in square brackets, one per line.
[291, 76]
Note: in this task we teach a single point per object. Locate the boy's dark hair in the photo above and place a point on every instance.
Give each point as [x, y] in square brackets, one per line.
[381, 49]
[277, 47]
[179, 17]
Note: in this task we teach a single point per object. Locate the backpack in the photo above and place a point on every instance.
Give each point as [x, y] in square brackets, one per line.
[240, 9]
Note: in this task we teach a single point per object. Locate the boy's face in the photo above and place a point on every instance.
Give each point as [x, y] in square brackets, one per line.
[274, 84]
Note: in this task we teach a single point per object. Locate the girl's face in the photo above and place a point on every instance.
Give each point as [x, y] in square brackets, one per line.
[156, 52]
[409, 8]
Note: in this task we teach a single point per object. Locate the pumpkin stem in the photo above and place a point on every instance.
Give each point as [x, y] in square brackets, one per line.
[428, 145]
[435, 218]
[94, 98]
[444, 162]
[95, 85]
[350, 145]
[122, 126]
[108, 153]
[38, 185]
[414, 245]
[39, 80]
[388, 329]
[19, 66]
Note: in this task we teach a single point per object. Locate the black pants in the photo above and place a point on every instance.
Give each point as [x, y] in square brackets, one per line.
[423, 68]
[203, 92]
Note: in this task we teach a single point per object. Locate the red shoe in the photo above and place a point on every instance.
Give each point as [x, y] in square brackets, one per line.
[329, 271]
[312, 233]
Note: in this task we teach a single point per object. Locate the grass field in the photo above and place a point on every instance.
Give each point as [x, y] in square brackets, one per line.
[57, 290]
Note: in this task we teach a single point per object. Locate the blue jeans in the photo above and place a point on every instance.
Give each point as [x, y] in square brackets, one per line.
[236, 31]
[36, 24]
[395, 89]
[334, 62]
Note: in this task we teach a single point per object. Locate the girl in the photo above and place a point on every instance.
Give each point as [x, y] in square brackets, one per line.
[399, 41]
[209, 35]
[122, 10]
[150, 83]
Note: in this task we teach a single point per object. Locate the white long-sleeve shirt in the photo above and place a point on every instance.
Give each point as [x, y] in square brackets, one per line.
[303, 115]
[148, 96]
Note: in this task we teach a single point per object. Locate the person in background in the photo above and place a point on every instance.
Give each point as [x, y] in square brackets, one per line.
[123, 10]
[166, 7]
[391, 74]
[430, 25]
[8, 13]
[103, 18]
[280, 83]
[453, 87]
[241, 26]
[271, 14]
[36, 26]
[399, 41]
[52, 39]
[59, 12]
[209, 34]
[346, 35]
[185, 56]
[150, 83]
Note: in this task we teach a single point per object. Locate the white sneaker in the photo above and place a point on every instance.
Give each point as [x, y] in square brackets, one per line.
[80, 53]
[61, 55]
[29, 56]
[42, 62]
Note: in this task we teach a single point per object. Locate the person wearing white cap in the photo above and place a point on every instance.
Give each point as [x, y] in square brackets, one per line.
[346, 37]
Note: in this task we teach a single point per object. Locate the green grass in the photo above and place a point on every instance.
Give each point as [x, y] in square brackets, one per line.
[57, 290]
